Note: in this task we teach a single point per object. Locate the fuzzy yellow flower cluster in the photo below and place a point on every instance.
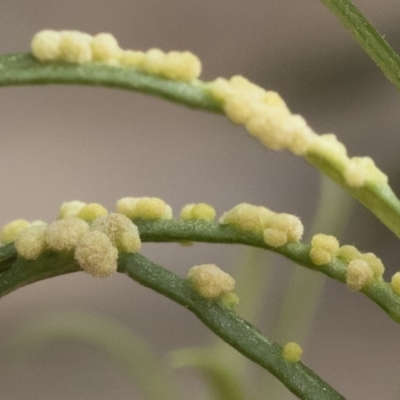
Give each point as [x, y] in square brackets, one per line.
[362, 268]
[266, 117]
[210, 281]
[79, 48]
[276, 228]
[87, 230]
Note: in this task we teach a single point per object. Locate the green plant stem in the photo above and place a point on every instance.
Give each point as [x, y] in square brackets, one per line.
[221, 320]
[367, 37]
[225, 323]
[24, 272]
[24, 69]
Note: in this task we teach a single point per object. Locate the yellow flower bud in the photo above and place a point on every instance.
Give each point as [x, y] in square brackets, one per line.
[200, 211]
[45, 45]
[31, 242]
[10, 231]
[96, 255]
[144, 207]
[323, 249]
[358, 274]
[210, 281]
[64, 234]
[91, 211]
[122, 232]
[292, 352]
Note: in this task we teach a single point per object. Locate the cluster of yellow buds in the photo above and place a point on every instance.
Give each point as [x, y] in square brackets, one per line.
[79, 48]
[94, 235]
[276, 228]
[266, 116]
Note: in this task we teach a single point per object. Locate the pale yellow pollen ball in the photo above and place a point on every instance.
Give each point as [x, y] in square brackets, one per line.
[210, 281]
[96, 255]
[70, 209]
[122, 232]
[31, 242]
[324, 248]
[91, 211]
[10, 231]
[45, 45]
[292, 352]
[144, 207]
[105, 48]
[75, 47]
[358, 274]
[395, 283]
[281, 229]
[64, 234]
[247, 217]
[200, 211]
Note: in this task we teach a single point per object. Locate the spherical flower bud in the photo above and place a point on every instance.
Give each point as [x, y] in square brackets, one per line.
[131, 58]
[122, 232]
[96, 255]
[154, 61]
[324, 248]
[375, 263]
[45, 45]
[358, 274]
[200, 211]
[144, 207]
[10, 231]
[70, 209]
[181, 66]
[282, 228]
[75, 47]
[91, 211]
[247, 217]
[105, 48]
[395, 283]
[210, 281]
[292, 352]
[31, 242]
[64, 234]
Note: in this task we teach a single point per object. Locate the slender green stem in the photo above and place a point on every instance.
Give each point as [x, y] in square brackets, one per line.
[367, 37]
[199, 231]
[23, 69]
[221, 320]
[24, 272]
[225, 323]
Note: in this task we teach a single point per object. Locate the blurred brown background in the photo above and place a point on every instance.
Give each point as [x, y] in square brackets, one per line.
[97, 145]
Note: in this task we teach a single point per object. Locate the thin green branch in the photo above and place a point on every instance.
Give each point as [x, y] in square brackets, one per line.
[23, 69]
[225, 323]
[24, 272]
[379, 292]
[368, 38]
[221, 320]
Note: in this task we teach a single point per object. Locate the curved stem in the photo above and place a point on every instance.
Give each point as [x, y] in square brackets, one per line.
[229, 327]
[368, 38]
[221, 320]
[51, 264]
[23, 69]
[379, 292]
